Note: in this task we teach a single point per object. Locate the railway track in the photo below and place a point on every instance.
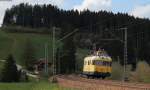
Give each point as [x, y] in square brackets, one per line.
[74, 81]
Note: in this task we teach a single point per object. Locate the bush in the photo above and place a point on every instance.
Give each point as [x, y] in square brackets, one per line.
[142, 73]
[117, 71]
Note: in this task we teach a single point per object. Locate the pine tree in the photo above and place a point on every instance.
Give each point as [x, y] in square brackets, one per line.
[93, 24]
[67, 55]
[29, 55]
[10, 72]
[58, 61]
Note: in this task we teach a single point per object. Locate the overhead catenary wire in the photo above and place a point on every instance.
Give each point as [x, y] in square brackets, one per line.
[115, 28]
[100, 23]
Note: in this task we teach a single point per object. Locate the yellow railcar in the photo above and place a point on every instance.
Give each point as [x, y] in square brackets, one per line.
[98, 65]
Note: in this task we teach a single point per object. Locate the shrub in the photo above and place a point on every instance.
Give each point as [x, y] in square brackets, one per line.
[142, 73]
[117, 71]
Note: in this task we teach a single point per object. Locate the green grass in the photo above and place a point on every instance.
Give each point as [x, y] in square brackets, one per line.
[31, 86]
[15, 42]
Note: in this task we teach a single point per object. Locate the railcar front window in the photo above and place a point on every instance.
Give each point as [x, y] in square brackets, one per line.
[98, 62]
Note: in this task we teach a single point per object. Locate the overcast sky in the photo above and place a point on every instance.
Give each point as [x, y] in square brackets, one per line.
[139, 8]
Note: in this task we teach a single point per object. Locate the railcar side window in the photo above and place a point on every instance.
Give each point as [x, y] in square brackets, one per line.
[110, 63]
[93, 62]
[88, 62]
[105, 63]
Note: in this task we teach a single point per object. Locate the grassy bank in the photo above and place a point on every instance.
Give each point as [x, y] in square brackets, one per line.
[31, 86]
[15, 42]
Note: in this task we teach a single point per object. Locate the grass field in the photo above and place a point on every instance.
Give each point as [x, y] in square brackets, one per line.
[31, 86]
[15, 42]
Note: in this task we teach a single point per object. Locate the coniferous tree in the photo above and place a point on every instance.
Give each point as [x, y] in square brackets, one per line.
[29, 55]
[91, 26]
[10, 72]
[67, 55]
[58, 61]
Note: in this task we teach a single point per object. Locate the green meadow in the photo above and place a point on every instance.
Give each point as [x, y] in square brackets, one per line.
[14, 43]
[31, 86]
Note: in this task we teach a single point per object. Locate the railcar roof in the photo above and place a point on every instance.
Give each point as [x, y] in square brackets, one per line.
[101, 58]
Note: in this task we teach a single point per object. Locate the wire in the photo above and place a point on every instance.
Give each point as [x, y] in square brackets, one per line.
[99, 23]
[68, 35]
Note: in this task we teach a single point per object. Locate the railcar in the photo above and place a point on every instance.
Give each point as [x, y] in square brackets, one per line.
[97, 65]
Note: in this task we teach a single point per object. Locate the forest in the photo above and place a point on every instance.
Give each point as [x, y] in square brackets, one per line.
[93, 28]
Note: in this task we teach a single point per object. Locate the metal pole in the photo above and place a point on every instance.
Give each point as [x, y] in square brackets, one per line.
[54, 71]
[118, 59]
[125, 52]
[58, 61]
[47, 58]
[137, 47]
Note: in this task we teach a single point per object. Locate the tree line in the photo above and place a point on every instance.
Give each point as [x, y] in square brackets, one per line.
[93, 26]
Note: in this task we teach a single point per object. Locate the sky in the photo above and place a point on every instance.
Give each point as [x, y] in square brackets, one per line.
[138, 8]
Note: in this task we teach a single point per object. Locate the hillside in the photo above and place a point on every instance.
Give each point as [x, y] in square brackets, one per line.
[15, 42]
[92, 27]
